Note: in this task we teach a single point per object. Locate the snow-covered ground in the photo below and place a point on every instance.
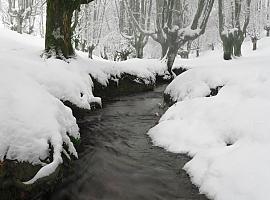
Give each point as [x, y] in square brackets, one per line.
[32, 89]
[227, 135]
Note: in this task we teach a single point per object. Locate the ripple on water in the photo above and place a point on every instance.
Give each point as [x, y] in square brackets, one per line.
[117, 160]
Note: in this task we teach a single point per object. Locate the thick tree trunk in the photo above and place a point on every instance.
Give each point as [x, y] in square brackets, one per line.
[58, 29]
[238, 39]
[227, 46]
[172, 52]
[268, 33]
[237, 47]
[139, 51]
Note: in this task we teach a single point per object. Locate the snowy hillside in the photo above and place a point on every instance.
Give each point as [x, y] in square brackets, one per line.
[33, 118]
[228, 135]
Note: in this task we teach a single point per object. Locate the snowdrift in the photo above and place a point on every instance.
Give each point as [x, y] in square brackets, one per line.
[33, 119]
[226, 134]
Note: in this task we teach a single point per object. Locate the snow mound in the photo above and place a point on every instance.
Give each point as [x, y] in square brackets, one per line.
[228, 135]
[103, 70]
[31, 119]
[62, 80]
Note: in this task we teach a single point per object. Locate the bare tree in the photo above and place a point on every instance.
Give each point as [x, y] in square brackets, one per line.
[141, 11]
[177, 37]
[22, 14]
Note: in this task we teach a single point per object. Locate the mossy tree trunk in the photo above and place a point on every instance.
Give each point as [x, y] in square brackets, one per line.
[58, 27]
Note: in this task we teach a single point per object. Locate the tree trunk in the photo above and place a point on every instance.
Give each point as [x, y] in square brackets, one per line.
[83, 47]
[254, 45]
[139, 51]
[227, 46]
[238, 39]
[58, 29]
[164, 48]
[172, 52]
[76, 44]
[212, 47]
[90, 51]
[19, 20]
[268, 33]
[237, 49]
[197, 52]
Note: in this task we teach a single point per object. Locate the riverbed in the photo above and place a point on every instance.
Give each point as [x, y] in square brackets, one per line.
[117, 160]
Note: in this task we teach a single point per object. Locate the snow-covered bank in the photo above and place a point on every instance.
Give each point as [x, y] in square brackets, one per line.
[33, 119]
[228, 135]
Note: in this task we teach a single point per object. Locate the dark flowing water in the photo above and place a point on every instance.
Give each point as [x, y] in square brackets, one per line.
[117, 160]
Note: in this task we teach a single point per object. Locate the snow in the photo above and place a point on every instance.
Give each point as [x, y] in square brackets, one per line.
[32, 93]
[30, 119]
[145, 69]
[227, 135]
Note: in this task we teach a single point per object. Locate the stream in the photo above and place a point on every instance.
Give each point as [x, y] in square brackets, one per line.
[117, 160]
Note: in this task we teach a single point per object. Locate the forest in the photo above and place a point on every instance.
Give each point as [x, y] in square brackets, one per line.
[134, 99]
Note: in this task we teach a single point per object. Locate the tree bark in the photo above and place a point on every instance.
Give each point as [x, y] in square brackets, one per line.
[237, 49]
[90, 50]
[171, 55]
[254, 46]
[164, 49]
[139, 51]
[197, 52]
[227, 42]
[58, 29]
[238, 39]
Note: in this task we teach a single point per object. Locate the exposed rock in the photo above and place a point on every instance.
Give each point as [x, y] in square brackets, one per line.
[179, 70]
[214, 91]
[126, 84]
[12, 175]
[169, 100]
